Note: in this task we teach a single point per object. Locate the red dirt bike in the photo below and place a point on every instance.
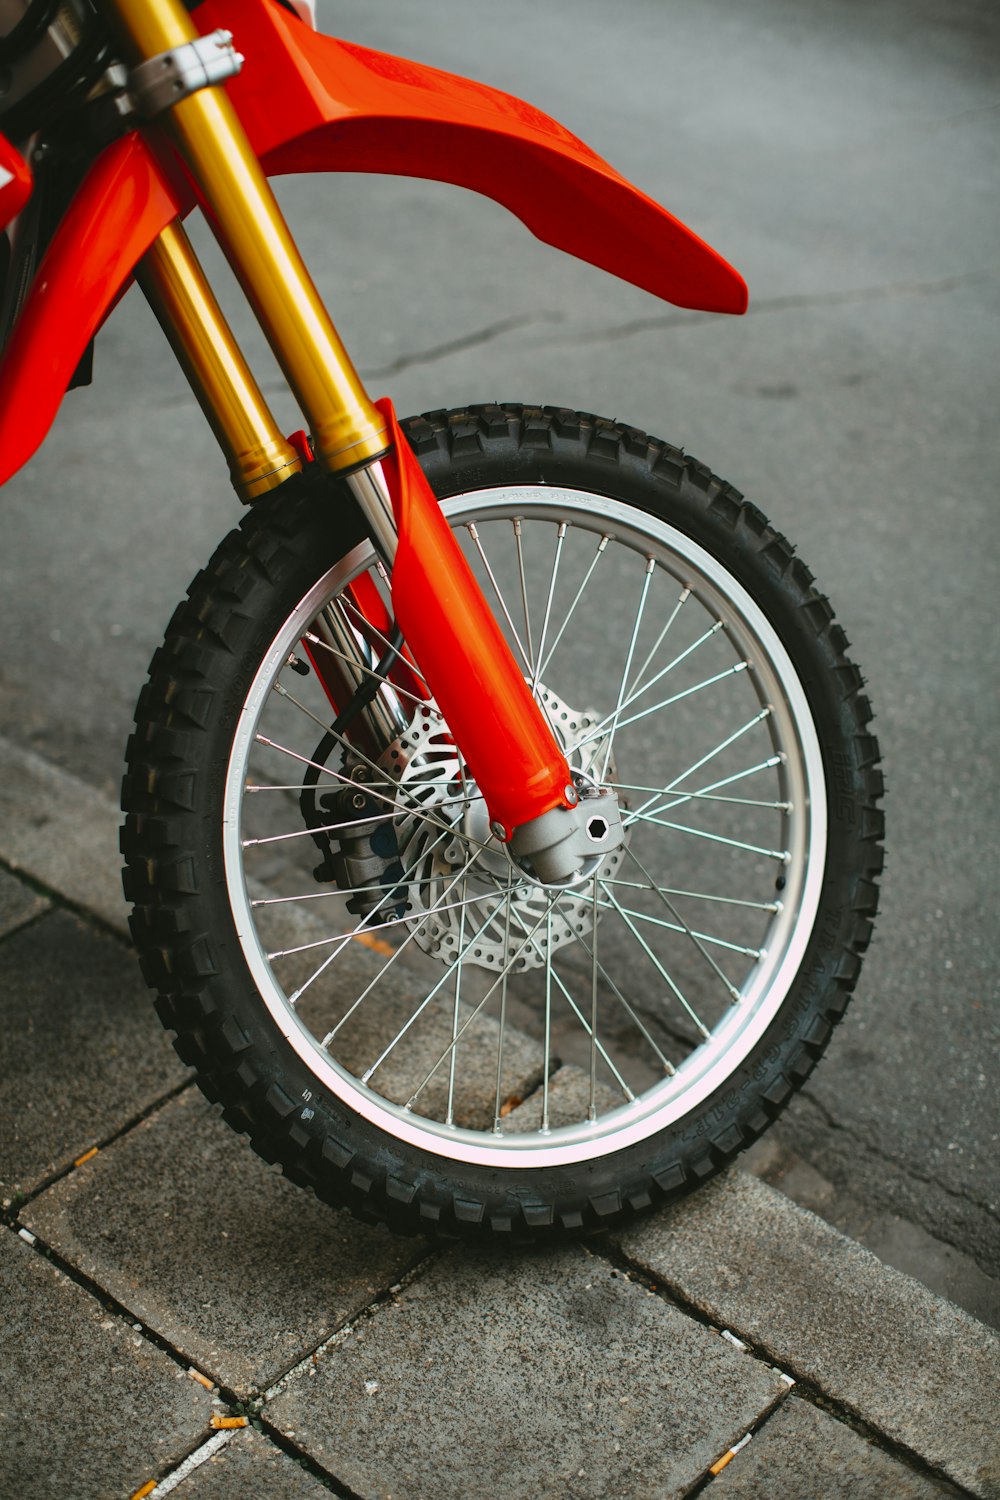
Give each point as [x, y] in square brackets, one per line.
[501, 816]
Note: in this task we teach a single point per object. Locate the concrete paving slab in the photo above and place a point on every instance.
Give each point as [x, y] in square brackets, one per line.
[61, 832]
[249, 1465]
[553, 1375]
[912, 1365]
[18, 903]
[897, 1242]
[88, 1407]
[81, 1049]
[238, 1269]
[801, 1452]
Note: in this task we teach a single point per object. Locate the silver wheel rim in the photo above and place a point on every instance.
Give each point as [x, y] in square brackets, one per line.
[519, 542]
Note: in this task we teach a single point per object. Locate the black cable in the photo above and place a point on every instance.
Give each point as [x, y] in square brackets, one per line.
[366, 692]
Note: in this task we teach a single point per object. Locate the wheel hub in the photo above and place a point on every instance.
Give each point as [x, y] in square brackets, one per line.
[459, 874]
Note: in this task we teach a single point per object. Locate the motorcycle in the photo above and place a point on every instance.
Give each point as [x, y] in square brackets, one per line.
[501, 816]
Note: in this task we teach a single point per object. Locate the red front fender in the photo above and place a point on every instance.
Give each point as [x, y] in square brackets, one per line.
[345, 108]
[310, 103]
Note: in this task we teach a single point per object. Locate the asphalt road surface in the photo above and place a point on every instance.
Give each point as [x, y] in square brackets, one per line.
[845, 158]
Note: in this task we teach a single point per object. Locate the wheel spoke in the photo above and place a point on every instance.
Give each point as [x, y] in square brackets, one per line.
[502, 1030]
[450, 1116]
[700, 937]
[552, 976]
[479, 1008]
[684, 596]
[629, 1010]
[553, 574]
[781, 855]
[703, 1029]
[615, 720]
[524, 654]
[711, 755]
[698, 687]
[602, 547]
[524, 595]
[594, 971]
[636, 692]
[706, 793]
[641, 885]
[696, 938]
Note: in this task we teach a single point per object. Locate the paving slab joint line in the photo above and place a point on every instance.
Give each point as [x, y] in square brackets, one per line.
[11, 1212]
[62, 902]
[305, 1460]
[724, 1459]
[804, 1386]
[187, 1466]
[371, 1310]
[118, 1309]
[218, 1441]
[20, 928]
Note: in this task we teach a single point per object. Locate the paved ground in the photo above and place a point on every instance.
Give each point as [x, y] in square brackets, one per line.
[845, 159]
[178, 1317]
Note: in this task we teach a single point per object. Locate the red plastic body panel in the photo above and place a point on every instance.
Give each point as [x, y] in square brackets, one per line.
[15, 182]
[310, 103]
[345, 108]
[462, 651]
[122, 206]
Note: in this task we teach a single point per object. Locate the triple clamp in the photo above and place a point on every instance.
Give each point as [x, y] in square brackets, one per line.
[171, 76]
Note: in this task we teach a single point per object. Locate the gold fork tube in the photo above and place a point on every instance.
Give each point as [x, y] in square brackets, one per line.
[174, 284]
[346, 427]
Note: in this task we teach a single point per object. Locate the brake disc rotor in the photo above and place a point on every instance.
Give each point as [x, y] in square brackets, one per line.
[460, 872]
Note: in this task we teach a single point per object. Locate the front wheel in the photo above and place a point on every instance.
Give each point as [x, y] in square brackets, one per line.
[377, 995]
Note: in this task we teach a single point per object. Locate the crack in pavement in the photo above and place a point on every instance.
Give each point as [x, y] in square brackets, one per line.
[415, 357]
[465, 341]
[928, 1179]
[885, 292]
[617, 331]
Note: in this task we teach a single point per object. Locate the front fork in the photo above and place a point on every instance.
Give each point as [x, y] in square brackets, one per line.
[463, 656]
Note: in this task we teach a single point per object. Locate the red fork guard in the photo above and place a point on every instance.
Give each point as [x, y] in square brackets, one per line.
[464, 656]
